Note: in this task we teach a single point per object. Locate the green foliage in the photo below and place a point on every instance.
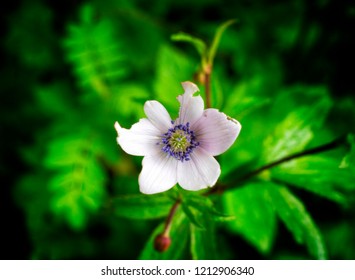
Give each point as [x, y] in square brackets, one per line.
[295, 130]
[203, 217]
[128, 100]
[193, 214]
[207, 54]
[78, 186]
[348, 161]
[255, 206]
[255, 217]
[293, 213]
[203, 240]
[56, 93]
[171, 66]
[78, 190]
[216, 40]
[244, 99]
[199, 45]
[203, 205]
[179, 237]
[93, 48]
[142, 206]
[321, 175]
[317, 173]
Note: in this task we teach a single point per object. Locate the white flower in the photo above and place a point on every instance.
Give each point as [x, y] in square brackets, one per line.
[179, 151]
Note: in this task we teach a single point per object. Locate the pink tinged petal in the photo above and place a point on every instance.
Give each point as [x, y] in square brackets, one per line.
[140, 140]
[158, 173]
[215, 131]
[191, 107]
[200, 172]
[158, 115]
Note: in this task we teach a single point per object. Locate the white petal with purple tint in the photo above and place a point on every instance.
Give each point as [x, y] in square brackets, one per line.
[191, 107]
[158, 115]
[140, 139]
[158, 173]
[215, 131]
[200, 172]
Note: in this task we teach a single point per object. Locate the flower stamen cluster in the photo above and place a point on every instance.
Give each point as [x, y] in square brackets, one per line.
[179, 142]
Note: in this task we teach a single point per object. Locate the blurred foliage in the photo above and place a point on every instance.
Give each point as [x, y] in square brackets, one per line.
[94, 52]
[281, 70]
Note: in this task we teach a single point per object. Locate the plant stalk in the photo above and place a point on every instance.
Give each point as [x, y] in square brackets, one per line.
[207, 79]
[170, 217]
[220, 188]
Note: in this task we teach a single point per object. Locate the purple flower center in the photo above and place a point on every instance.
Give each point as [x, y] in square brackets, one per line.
[179, 142]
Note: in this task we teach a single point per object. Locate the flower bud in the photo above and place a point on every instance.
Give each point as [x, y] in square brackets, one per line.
[162, 243]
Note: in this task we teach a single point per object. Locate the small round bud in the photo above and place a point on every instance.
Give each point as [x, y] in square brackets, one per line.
[162, 243]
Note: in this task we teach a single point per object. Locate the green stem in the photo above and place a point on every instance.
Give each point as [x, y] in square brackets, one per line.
[217, 38]
[220, 188]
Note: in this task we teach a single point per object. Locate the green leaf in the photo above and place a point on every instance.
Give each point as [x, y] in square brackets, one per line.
[128, 100]
[197, 206]
[202, 215]
[203, 240]
[192, 214]
[196, 42]
[64, 151]
[58, 94]
[172, 68]
[323, 175]
[217, 38]
[255, 217]
[296, 218]
[349, 159]
[77, 186]
[92, 47]
[179, 237]
[142, 206]
[244, 98]
[296, 130]
[290, 136]
[202, 203]
[219, 217]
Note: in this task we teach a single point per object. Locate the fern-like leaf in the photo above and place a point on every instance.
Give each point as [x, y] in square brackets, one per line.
[92, 48]
[78, 185]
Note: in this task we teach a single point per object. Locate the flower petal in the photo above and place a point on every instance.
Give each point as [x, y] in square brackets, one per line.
[140, 140]
[158, 115]
[158, 173]
[215, 131]
[200, 172]
[191, 107]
